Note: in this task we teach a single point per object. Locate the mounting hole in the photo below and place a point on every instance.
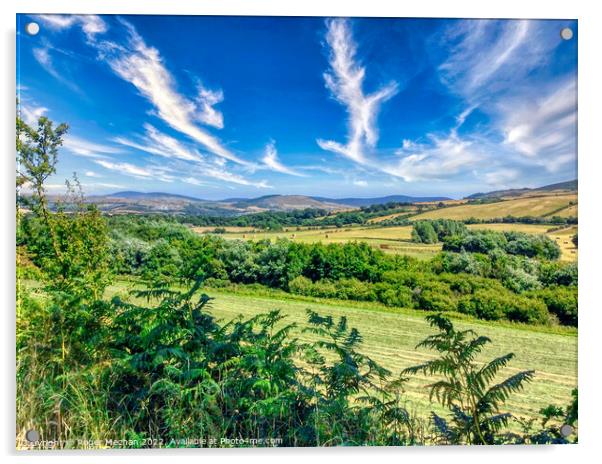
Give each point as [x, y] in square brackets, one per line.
[32, 28]
[566, 33]
[566, 430]
[32, 436]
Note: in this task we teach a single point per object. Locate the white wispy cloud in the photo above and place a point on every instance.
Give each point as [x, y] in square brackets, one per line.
[31, 114]
[192, 181]
[360, 183]
[91, 24]
[42, 56]
[543, 127]
[91, 174]
[143, 67]
[160, 173]
[345, 80]
[270, 159]
[83, 147]
[102, 185]
[206, 100]
[161, 144]
[501, 178]
[490, 66]
[490, 56]
[158, 143]
[441, 158]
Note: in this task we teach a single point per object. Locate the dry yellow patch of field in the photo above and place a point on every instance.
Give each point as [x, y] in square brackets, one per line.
[501, 227]
[229, 229]
[571, 211]
[378, 219]
[388, 239]
[564, 239]
[527, 206]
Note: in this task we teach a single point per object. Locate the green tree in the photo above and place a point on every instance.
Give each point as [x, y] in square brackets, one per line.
[424, 232]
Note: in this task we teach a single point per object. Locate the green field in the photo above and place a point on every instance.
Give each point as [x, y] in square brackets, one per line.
[388, 239]
[525, 206]
[390, 339]
[394, 239]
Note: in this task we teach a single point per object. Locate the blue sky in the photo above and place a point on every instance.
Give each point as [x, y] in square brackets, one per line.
[218, 107]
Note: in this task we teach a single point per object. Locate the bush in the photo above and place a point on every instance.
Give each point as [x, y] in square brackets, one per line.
[435, 296]
[514, 243]
[565, 274]
[491, 305]
[424, 232]
[398, 296]
[562, 302]
[301, 286]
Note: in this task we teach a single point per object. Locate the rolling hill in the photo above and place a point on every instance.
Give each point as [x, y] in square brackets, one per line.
[287, 203]
[160, 202]
[570, 185]
[539, 201]
[358, 202]
[539, 206]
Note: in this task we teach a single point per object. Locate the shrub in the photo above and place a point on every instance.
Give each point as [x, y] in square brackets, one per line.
[435, 296]
[394, 295]
[492, 305]
[562, 302]
[301, 286]
[558, 273]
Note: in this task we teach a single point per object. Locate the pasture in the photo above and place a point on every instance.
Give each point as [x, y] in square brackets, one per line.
[388, 239]
[525, 206]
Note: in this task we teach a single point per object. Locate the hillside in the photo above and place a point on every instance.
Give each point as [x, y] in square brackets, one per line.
[541, 205]
[570, 185]
[167, 203]
[359, 202]
[287, 203]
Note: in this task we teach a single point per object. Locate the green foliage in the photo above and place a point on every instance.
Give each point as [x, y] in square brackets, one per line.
[492, 305]
[351, 271]
[467, 388]
[424, 232]
[514, 243]
[550, 431]
[70, 247]
[433, 231]
[562, 302]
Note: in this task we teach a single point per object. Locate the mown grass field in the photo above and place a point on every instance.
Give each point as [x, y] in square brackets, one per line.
[390, 338]
[571, 211]
[388, 239]
[526, 206]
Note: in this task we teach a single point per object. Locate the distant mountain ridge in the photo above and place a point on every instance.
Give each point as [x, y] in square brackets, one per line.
[141, 195]
[160, 202]
[358, 202]
[570, 185]
[130, 201]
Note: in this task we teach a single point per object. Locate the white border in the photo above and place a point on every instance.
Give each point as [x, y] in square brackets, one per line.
[590, 185]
